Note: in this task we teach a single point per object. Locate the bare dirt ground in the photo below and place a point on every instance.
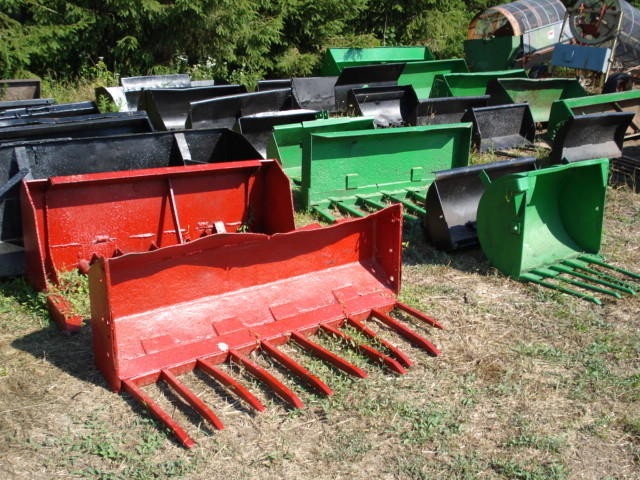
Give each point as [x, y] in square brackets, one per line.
[531, 384]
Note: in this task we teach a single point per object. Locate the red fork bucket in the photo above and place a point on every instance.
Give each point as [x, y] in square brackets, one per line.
[69, 220]
[159, 314]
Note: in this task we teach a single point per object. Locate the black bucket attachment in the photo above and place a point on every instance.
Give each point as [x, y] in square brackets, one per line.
[440, 111]
[586, 137]
[385, 75]
[224, 111]
[31, 114]
[19, 89]
[314, 93]
[625, 171]
[452, 201]
[83, 126]
[29, 103]
[390, 106]
[168, 108]
[54, 158]
[274, 84]
[127, 96]
[501, 127]
[258, 128]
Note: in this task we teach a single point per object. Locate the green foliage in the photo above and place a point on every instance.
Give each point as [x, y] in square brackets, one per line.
[238, 41]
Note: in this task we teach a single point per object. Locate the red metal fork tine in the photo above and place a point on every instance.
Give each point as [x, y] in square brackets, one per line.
[295, 367]
[160, 415]
[197, 404]
[327, 355]
[395, 352]
[406, 332]
[268, 379]
[419, 315]
[367, 350]
[229, 382]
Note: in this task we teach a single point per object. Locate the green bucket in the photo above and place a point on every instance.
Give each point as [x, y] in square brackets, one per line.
[545, 226]
[469, 84]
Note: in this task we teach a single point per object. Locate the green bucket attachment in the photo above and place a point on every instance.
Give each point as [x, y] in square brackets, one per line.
[495, 53]
[338, 58]
[469, 84]
[545, 227]
[286, 141]
[361, 171]
[421, 75]
[539, 92]
[562, 110]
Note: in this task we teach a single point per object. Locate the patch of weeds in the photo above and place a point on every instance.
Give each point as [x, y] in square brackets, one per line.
[515, 470]
[543, 443]
[348, 447]
[466, 467]
[632, 427]
[75, 287]
[422, 424]
[409, 466]
[600, 427]
[541, 351]
[21, 306]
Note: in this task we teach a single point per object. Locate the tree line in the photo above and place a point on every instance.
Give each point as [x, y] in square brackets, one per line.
[238, 40]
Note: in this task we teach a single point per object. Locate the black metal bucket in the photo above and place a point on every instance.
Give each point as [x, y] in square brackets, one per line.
[224, 111]
[97, 125]
[440, 111]
[273, 84]
[385, 75]
[31, 114]
[390, 106]
[586, 137]
[168, 108]
[257, 128]
[314, 93]
[452, 201]
[501, 127]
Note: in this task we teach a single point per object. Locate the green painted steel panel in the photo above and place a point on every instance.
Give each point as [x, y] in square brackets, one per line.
[420, 75]
[562, 110]
[531, 220]
[337, 58]
[497, 53]
[469, 84]
[286, 142]
[539, 93]
[369, 162]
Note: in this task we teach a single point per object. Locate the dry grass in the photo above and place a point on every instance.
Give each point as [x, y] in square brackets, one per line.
[531, 384]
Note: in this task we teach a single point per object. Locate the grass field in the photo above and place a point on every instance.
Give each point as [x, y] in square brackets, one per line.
[531, 384]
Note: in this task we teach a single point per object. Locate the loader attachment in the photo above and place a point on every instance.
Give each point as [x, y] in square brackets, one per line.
[469, 84]
[336, 59]
[540, 93]
[586, 137]
[28, 103]
[224, 111]
[53, 158]
[545, 227]
[214, 301]
[132, 87]
[421, 75]
[628, 101]
[364, 77]
[19, 89]
[452, 201]
[438, 111]
[97, 125]
[286, 142]
[69, 220]
[502, 127]
[168, 108]
[361, 171]
[275, 84]
[314, 93]
[258, 128]
[389, 106]
[30, 114]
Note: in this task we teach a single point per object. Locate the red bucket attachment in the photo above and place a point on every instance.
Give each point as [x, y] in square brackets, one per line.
[159, 314]
[69, 220]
